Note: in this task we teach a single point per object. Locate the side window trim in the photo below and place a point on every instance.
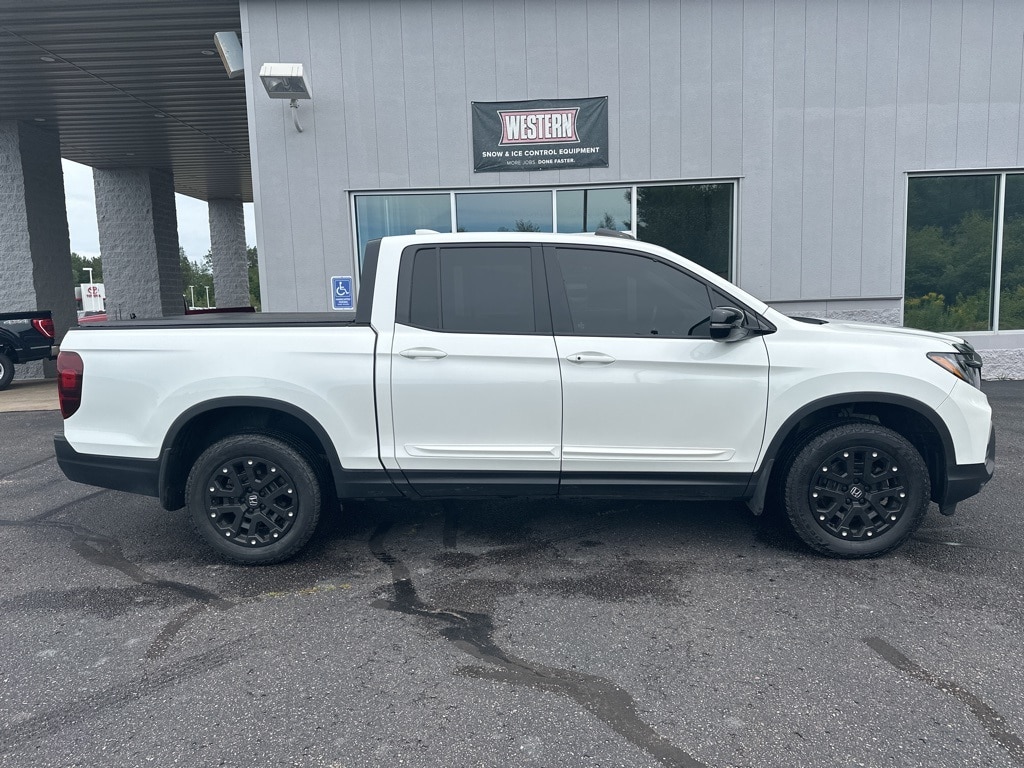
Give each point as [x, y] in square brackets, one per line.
[561, 318]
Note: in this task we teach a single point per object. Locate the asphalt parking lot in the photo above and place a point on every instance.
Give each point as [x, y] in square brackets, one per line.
[504, 634]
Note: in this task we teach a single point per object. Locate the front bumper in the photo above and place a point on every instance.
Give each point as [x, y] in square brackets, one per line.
[965, 480]
[140, 476]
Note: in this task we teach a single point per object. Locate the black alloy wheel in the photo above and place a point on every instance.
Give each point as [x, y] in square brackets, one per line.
[856, 490]
[254, 498]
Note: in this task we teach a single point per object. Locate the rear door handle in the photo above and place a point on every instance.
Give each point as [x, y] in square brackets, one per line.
[590, 357]
[423, 353]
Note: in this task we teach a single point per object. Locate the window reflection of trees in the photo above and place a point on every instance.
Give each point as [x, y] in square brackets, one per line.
[693, 220]
[950, 242]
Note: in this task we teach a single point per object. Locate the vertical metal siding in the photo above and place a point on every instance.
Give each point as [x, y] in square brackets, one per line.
[819, 142]
[634, 108]
[820, 107]
[695, 89]
[1004, 99]
[355, 102]
[422, 117]
[667, 107]
[451, 79]
[603, 53]
[882, 184]
[851, 148]
[480, 72]
[757, 205]
[325, 57]
[787, 149]
[394, 144]
[726, 87]
[975, 81]
[573, 43]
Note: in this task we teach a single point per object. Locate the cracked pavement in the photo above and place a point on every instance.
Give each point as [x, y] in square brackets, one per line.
[592, 633]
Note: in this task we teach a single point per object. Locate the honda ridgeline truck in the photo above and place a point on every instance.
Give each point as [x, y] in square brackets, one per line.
[526, 365]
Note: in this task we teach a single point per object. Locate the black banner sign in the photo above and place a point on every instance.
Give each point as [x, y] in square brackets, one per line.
[540, 135]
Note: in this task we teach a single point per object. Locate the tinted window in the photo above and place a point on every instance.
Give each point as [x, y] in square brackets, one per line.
[473, 290]
[693, 220]
[621, 294]
[425, 302]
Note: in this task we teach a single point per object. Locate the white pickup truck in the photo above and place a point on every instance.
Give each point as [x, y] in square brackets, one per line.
[528, 365]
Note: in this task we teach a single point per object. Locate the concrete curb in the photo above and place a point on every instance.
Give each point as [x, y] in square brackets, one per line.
[30, 395]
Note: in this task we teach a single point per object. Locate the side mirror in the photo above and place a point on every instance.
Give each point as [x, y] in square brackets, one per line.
[727, 324]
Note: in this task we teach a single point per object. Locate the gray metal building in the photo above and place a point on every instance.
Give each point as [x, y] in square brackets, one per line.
[812, 115]
[854, 159]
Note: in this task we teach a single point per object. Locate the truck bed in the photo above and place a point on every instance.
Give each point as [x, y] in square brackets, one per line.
[233, 320]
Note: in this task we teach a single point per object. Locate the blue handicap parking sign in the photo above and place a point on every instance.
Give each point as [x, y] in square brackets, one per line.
[342, 294]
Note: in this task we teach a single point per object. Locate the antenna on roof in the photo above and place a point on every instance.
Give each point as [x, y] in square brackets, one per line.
[605, 232]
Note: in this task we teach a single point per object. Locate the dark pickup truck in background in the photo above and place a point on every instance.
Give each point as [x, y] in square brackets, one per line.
[24, 337]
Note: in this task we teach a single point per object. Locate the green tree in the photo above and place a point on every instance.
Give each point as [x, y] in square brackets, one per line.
[80, 263]
[254, 276]
[196, 277]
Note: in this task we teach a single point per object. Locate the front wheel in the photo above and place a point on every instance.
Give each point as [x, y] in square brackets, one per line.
[856, 490]
[6, 371]
[255, 499]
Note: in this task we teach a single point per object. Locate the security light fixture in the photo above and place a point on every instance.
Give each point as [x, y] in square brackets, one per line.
[230, 49]
[286, 81]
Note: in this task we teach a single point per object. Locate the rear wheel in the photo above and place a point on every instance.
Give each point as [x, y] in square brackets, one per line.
[6, 371]
[255, 499]
[856, 490]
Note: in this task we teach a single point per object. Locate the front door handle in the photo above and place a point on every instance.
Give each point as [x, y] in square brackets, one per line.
[590, 357]
[423, 353]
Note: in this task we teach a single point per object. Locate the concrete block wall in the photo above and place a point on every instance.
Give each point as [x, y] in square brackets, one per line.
[227, 244]
[138, 231]
[34, 241]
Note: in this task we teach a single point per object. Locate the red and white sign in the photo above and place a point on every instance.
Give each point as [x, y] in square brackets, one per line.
[94, 295]
[539, 126]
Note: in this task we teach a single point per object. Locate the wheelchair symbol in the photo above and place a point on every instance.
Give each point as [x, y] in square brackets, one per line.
[341, 291]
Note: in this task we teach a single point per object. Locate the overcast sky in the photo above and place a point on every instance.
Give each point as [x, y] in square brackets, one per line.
[193, 218]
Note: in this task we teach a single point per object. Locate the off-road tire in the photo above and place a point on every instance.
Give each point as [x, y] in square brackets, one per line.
[856, 490]
[254, 499]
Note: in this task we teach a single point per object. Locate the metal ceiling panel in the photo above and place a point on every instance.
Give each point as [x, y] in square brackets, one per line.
[131, 83]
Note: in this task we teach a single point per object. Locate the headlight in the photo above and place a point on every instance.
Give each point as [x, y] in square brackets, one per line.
[965, 363]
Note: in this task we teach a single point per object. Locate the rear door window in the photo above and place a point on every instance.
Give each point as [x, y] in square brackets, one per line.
[472, 289]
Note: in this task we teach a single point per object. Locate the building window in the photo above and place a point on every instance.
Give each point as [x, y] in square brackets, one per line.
[503, 212]
[380, 215]
[1011, 275]
[587, 210]
[693, 220]
[965, 252]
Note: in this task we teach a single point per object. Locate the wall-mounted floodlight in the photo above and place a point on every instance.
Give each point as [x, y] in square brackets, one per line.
[230, 49]
[286, 81]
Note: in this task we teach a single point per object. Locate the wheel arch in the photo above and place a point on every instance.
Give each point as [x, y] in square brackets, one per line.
[914, 420]
[203, 424]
